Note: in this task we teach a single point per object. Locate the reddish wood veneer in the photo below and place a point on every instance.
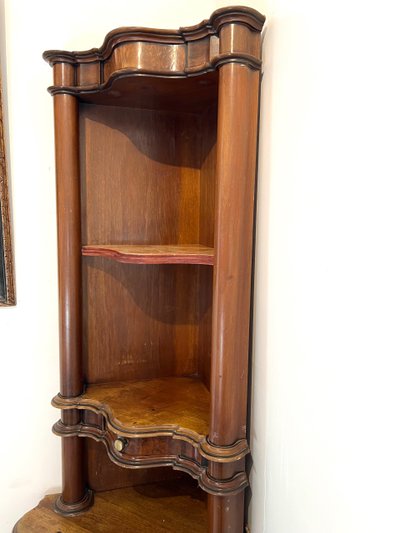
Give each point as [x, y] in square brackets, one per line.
[152, 254]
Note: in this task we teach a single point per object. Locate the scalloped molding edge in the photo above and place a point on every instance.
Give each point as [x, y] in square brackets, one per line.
[236, 14]
[210, 451]
[211, 485]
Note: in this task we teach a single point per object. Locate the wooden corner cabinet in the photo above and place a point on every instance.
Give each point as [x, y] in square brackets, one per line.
[156, 144]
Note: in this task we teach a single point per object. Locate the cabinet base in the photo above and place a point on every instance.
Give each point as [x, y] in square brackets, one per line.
[170, 506]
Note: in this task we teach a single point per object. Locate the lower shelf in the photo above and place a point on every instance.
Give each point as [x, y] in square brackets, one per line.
[163, 406]
[169, 506]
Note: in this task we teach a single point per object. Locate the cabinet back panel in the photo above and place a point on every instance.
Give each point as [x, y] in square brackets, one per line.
[143, 321]
[140, 176]
[147, 176]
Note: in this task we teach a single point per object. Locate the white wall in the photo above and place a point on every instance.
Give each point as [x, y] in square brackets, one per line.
[29, 454]
[325, 417]
[326, 435]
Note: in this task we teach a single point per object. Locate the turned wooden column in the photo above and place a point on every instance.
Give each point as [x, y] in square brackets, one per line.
[236, 168]
[74, 497]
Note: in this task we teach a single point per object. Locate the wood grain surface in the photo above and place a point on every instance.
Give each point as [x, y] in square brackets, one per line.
[144, 321]
[103, 474]
[140, 175]
[69, 287]
[190, 95]
[149, 406]
[169, 506]
[236, 173]
[152, 254]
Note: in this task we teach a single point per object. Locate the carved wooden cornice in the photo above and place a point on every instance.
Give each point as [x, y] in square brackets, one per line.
[231, 35]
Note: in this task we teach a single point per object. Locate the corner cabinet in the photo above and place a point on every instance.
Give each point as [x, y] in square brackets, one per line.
[156, 145]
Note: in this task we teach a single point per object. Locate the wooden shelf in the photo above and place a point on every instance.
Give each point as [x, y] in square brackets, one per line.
[155, 406]
[169, 506]
[153, 254]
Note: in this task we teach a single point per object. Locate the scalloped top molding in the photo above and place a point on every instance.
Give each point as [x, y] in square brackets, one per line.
[231, 34]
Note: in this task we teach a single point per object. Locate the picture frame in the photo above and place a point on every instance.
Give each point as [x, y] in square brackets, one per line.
[7, 285]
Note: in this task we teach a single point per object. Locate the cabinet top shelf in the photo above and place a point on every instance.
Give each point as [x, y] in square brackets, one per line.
[150, 254]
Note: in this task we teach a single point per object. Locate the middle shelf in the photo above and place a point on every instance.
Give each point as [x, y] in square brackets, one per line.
[153, 254]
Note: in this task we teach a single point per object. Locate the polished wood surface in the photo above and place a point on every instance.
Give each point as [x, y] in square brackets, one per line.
[179, 53]
[188, 95]
[225, 513]
[156, 138]
[158, 448]
[143, 321]
[152, 254]
[169, 506]
[74, 493]
[141, 175]
[236, 169]
[142, 183]
[104, 474]
[154, 406]
[69, 239]
[206, 234]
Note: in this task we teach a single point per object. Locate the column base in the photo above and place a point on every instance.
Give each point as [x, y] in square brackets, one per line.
[73, 509]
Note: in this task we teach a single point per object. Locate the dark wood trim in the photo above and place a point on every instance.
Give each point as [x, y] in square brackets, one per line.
[226, 513]
[218, 487]
[211, 452]
[7, 285]
[74, 493]
[236, 156]
[69, 243]
[209, 66]
[183, 53]
[242, 15]
[74, 509]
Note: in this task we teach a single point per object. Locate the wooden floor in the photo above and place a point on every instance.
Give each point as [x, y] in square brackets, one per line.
[172, 506]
